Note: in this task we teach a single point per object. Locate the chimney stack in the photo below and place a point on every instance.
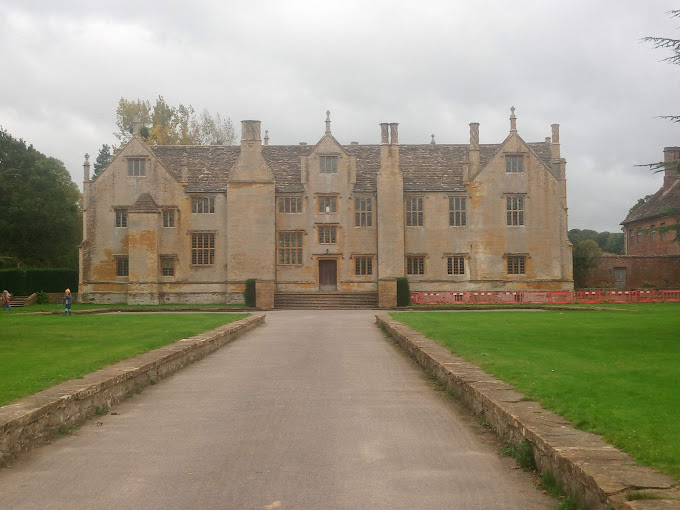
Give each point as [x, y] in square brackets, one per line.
[671, 171]
[384, 133]
[473, 153]
[555, 146]
[86, 168]
[394, 133]
[136, 126]
[250, 131]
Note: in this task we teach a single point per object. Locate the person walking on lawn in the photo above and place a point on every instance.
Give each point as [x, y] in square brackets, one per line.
[67, 300]
[5, 300]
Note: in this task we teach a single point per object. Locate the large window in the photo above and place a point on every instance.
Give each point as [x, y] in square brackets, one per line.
[202, 205]
[515, 210]
[328, 164]
[327, 235]
[415, 265]
[652, 234]
[169, 218]
[136, 166]
[662, 234]
[363, 265]
[516, 264]
[457, 211]
[514, 163]
[168, 266]
[122, 266]
[414, 211]
[363, 212]
[328, 204]
[456, 265]
[121, 218]
[290, 248]
[202, 249]
[290, 205]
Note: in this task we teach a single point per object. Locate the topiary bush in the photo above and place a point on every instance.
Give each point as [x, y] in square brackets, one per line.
[41, 298]
[403, 292]
[249, 293]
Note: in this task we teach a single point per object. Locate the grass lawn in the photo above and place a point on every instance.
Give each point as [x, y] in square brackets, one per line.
[88, 306]
[39, 351]
[614, 373]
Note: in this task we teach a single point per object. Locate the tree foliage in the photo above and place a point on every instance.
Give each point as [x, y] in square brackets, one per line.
[584, 255]
[608, 242]
[40, 223]
[165, 124]
[103, 159]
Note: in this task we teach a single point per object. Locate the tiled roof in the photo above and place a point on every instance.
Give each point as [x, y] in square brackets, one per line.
[431, 167]
[145, 202]
[657, 205]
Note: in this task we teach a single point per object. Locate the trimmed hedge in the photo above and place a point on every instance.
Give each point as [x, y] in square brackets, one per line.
[23, 282]
[403, 292]
[249, 293]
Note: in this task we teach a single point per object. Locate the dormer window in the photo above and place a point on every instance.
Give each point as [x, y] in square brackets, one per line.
[137, 166]
[329, 164]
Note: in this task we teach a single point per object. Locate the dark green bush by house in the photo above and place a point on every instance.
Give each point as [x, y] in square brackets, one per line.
[403, 292]
[249, 293]
[23, 282]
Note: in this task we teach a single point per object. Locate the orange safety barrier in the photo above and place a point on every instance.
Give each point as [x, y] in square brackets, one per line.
[536, 297]
[508, 297]
[644, 296]
[668, 296]
[455, 298]
[619, 296]
[589, 297]
[561, 298]
[416, 298]
[431, 298]
[486, 298]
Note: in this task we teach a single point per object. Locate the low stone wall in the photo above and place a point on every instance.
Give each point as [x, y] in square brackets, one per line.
[587, 467]
[38, 418]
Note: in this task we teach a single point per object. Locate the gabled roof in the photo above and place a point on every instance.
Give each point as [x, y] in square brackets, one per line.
[657, 205]
[145, 202]
[430, 167]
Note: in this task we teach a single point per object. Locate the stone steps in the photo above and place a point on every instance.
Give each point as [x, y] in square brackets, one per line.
[325, 300]
[17, 301]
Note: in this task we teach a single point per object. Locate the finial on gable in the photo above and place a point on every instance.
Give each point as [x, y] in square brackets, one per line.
[513, 120]
[328, 122]
[266, 137]
[136, 125]
[86, 168]
[433, 142]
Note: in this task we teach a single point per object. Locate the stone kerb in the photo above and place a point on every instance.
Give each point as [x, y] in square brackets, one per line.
[587, 467]
[38, 418]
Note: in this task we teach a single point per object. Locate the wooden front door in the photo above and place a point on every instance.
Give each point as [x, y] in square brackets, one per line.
[620, 278]
[328, 275]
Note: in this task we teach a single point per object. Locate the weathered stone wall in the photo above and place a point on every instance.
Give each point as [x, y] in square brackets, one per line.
[661, 272]
[37, 419]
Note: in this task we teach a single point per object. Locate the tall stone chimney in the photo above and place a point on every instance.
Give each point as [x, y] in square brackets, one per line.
[86, 168]
[671, 172]
[473, 156]
[555, 145]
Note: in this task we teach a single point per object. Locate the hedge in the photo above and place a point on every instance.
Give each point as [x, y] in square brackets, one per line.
[249, 293]
[24, 282]
[403, 292]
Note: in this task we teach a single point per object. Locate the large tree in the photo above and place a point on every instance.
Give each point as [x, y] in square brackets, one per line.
[103, 159]
[165, 124]
[40, 223]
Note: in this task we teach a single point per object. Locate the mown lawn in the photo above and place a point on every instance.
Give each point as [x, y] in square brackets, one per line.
[614, 373]
[39, 351]
[76, 307]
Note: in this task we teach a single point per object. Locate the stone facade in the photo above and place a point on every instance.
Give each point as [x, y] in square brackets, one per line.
[189, 224]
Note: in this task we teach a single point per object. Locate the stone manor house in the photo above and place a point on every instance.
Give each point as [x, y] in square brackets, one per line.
[189, 224]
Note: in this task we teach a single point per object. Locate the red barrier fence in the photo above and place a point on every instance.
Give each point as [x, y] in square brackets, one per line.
[553, 298]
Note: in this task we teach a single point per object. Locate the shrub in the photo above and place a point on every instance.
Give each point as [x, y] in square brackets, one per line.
[249, 293]
[523, 454]
[403, 292]
[41, 298]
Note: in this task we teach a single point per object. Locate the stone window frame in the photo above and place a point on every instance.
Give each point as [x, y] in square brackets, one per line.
[327, 204]
[652, 234]
[413, 210]
[290, 205]
[202, 248]
[137, 166]
[514, 163]
[516, 263]
[122, 266]
[202, 205]
[363, 265]
[455, 264]
[363, 211]
[167, 265]
[458, 211]
[121, 220]
[415, 264]
[639, 236]
[328, 234]
[631, 237]
[515, 209]
[328, 163]
[289, 247]
[662, 233]
[168, 218]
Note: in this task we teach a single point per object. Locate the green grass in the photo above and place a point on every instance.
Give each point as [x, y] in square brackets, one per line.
[39, 351]
[76, 307]
[613, 373]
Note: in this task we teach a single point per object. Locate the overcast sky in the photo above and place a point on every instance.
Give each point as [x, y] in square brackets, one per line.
[433, 66]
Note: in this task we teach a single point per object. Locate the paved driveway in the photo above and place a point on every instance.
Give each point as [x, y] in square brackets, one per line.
[314, 410]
